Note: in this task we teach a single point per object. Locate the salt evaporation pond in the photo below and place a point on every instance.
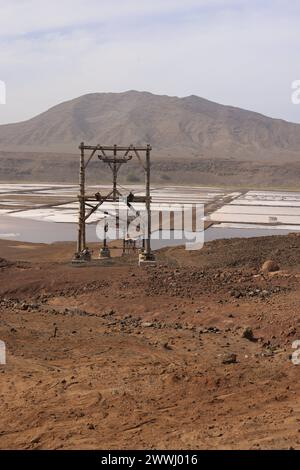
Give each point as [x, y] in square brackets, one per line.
[35, 213]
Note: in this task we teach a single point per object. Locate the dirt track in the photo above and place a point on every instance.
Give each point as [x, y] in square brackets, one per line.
[123, 357]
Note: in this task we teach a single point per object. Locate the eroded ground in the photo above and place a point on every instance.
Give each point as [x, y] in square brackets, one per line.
[123, 357]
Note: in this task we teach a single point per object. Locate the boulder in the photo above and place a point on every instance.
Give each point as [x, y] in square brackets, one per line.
[270, 266]
[230, 358]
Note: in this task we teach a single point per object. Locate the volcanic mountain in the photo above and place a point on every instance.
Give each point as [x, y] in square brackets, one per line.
[191, 138]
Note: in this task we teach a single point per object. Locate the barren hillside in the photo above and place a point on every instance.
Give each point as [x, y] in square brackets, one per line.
[192, 354]
[191, 138]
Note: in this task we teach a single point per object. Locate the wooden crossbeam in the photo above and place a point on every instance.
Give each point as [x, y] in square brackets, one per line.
[112, 148]
[91, 198]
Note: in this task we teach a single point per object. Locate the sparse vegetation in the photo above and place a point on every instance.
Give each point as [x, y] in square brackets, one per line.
[133, 178]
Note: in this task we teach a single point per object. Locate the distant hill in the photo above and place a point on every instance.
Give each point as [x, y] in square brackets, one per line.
[189, 136]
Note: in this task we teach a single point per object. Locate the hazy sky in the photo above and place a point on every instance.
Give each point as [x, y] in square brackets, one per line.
[239, 52]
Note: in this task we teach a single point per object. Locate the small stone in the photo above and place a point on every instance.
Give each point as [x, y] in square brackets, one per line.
[147, 324]
[248, 334]
[229, 359]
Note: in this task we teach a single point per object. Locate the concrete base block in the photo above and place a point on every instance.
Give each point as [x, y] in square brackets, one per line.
[79, 262]
[143, 261]
[104, 253]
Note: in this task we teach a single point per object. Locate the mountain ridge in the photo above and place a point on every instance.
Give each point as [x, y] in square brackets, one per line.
[170, 124]
[197, 136]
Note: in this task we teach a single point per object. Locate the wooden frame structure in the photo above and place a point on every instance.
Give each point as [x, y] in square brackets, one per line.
[114, 156]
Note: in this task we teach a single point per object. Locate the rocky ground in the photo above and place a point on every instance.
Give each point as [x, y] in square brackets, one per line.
[192, 354]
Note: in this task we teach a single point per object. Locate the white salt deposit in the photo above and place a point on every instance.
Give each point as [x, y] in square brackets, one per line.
[257, 226]
[258, 210]
[254, 218]
[254, 207]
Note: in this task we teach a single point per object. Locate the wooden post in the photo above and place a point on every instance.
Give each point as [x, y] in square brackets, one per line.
[148, 204]
[81, 244]
[115, 172]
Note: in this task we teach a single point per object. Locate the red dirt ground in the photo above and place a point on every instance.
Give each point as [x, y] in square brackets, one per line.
[122, 357]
